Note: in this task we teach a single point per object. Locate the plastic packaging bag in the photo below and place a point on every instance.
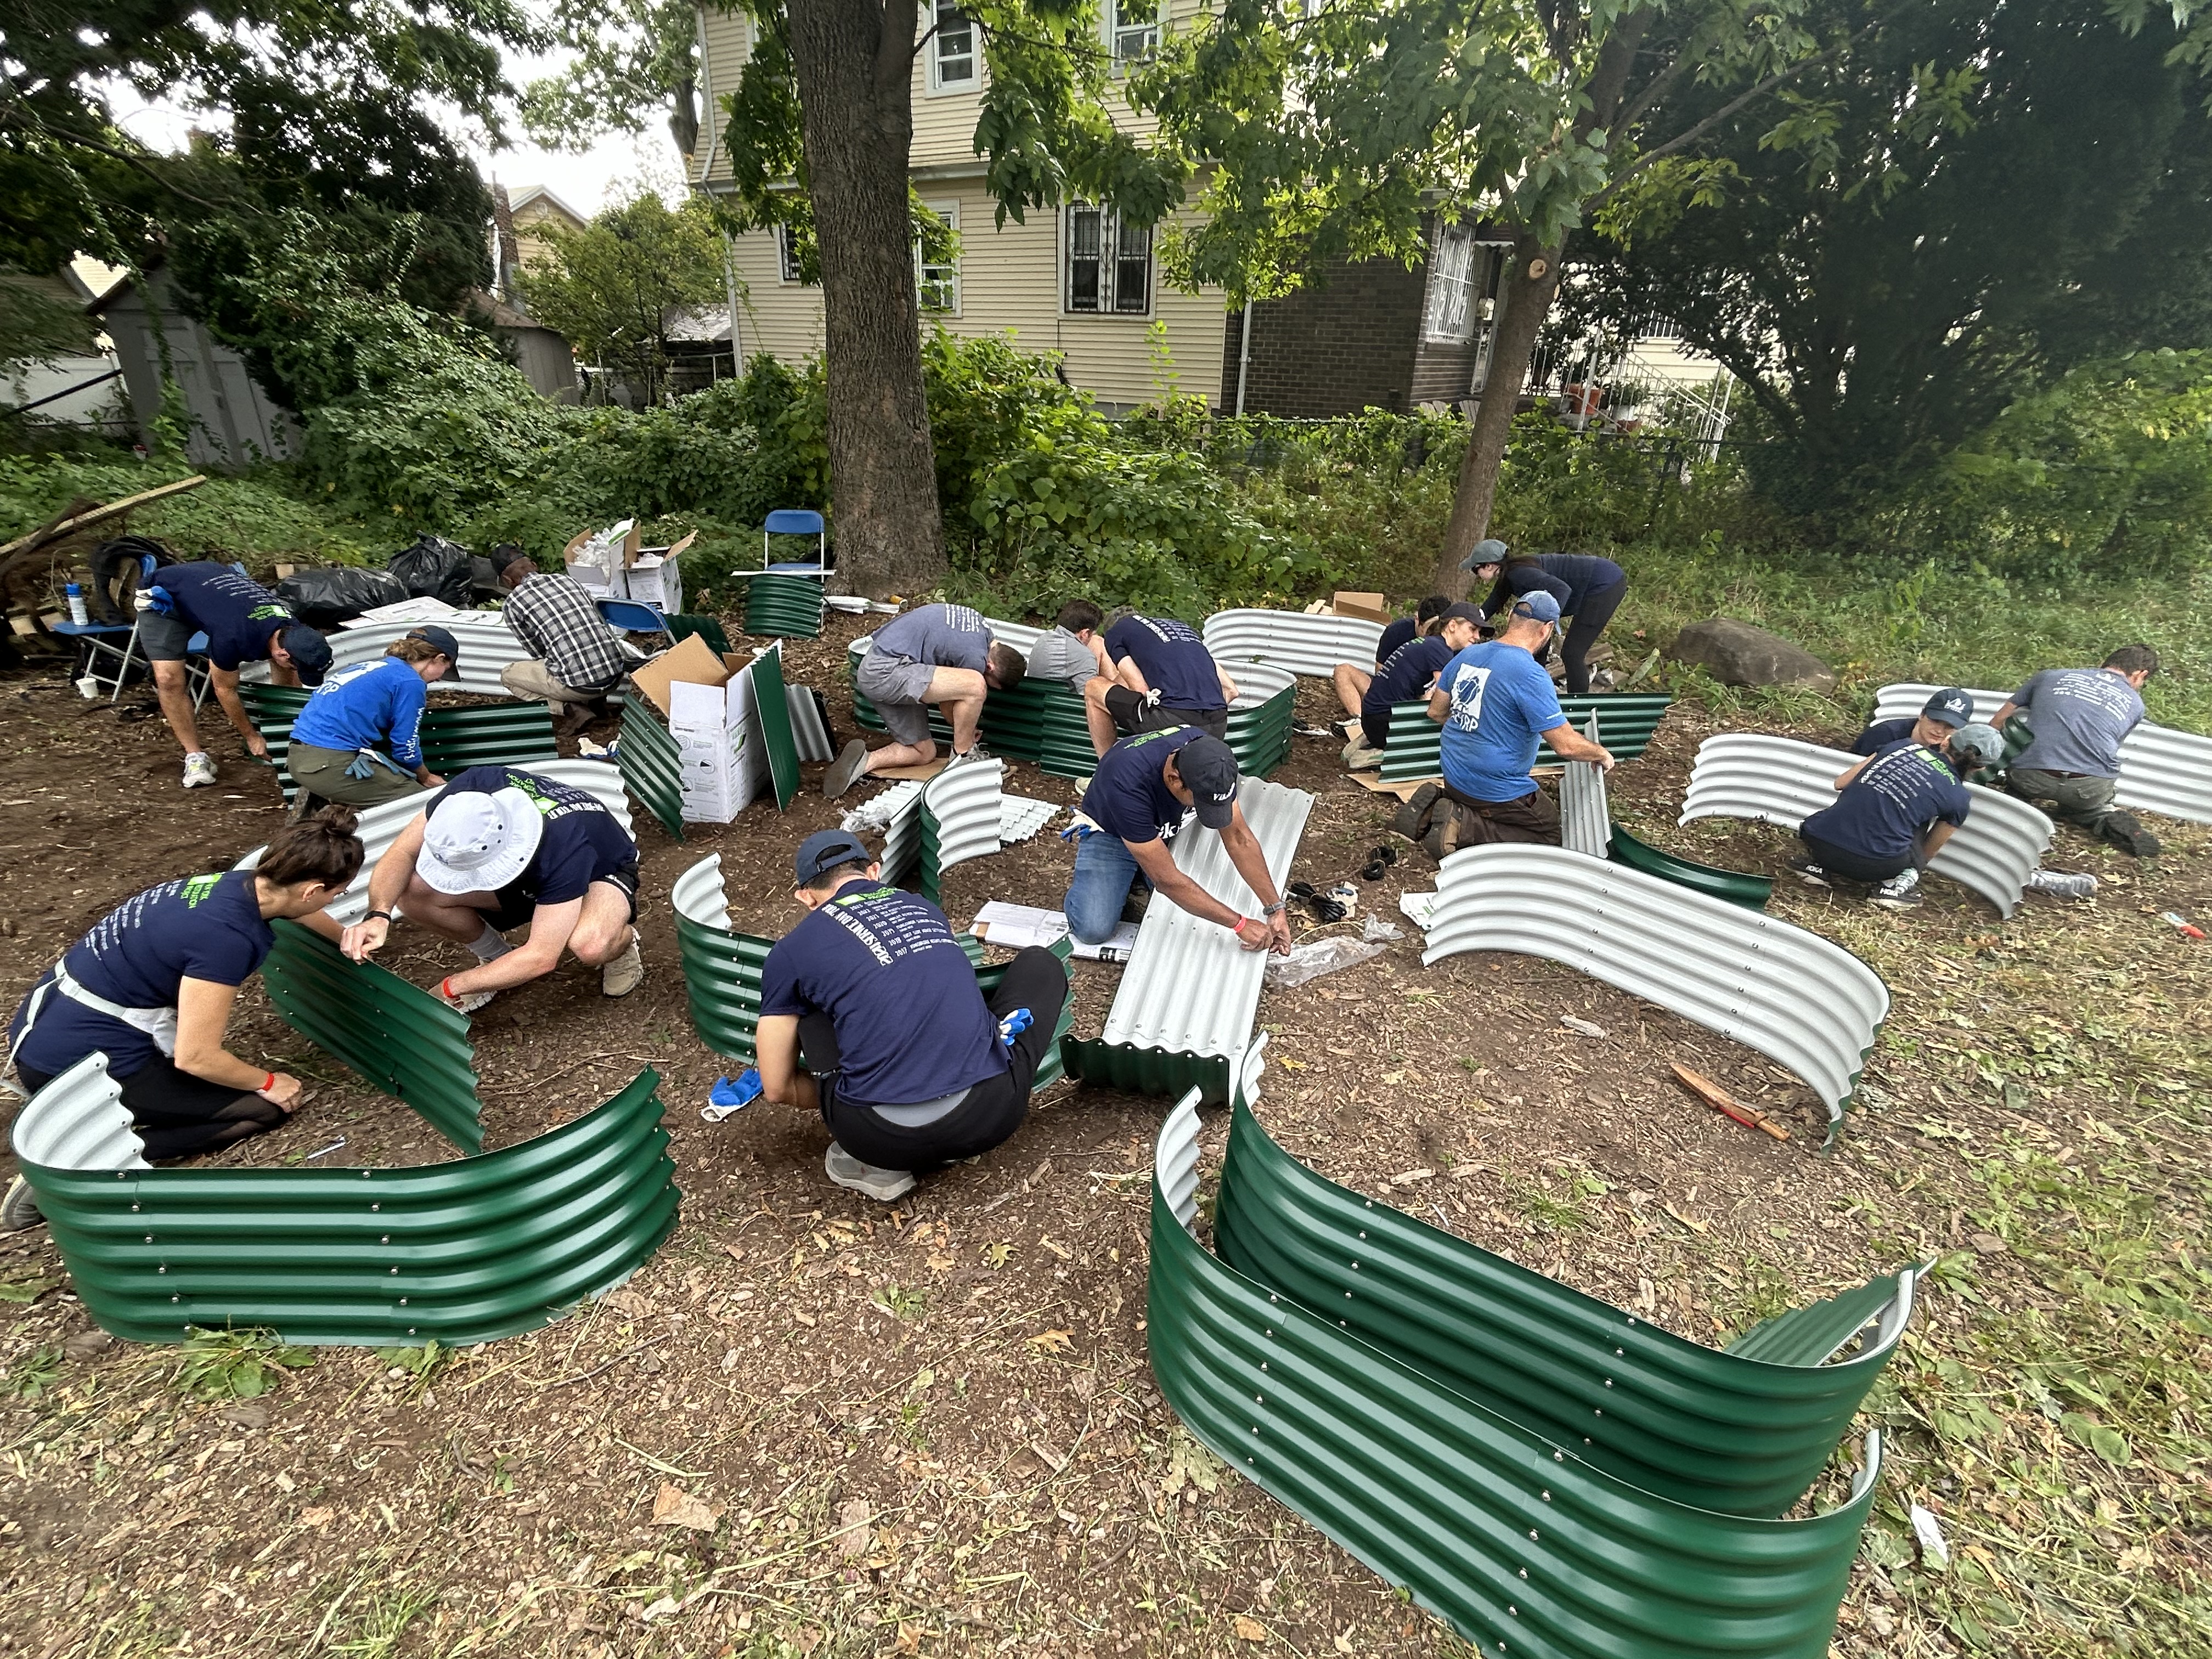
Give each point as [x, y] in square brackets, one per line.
[1315, 957]
[337, 593]
[435, 569]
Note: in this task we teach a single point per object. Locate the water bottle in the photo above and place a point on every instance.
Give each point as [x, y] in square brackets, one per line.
[2061, 885]
[78, 614]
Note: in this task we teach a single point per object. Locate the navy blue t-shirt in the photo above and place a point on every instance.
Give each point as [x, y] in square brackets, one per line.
[235, 612]
[582, 841]
[1172, 657]
[1127, 796]
[1393, 636]
[911, 1023]
[1882, 733]
[206, 927]
[1405, 675]
[1902, 790]
[1569, 578]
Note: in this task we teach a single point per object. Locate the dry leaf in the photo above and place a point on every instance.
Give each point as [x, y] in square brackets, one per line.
[318, 1517]
[1053, 1341]
[1249, 1629]
[852, 1517]
[627, 1301]
[674, 1507]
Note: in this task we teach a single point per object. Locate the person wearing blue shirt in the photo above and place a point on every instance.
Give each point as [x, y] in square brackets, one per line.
[1496, 705]
[359, 738]
[1893, 814]
[1584, 587]
[1942, 714]
[1162, 677]
[1410, 673]
[871, 1015]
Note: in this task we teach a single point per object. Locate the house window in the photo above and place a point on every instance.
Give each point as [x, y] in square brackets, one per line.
[786, 255]
[953, 50]
[1108, 265]
[1131, 29]
[938, 286]
[1450, 314]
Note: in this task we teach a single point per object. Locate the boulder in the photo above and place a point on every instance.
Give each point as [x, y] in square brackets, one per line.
[1737, 653]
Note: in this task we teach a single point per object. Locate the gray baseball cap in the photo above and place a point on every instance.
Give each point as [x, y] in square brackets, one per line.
[1983, 744]
[1490, 551]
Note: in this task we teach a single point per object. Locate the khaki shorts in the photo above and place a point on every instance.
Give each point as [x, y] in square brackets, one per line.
[899, 688]
[530, 678]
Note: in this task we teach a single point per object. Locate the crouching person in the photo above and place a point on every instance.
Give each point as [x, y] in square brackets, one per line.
[871, 1015]
[496, 849]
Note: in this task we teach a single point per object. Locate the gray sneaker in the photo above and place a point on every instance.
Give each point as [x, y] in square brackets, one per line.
[846, 769]
[976, 751]
[882, 1185]
[1899, 892]
[20, 1208]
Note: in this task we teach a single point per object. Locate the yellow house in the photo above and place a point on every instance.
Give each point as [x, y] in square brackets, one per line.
[1071, 280]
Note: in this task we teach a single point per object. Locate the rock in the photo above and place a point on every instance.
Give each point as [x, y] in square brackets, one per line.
[1737, 653]
[87, 1346]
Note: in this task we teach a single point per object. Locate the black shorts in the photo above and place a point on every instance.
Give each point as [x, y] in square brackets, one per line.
[517, 904]
[1376, 728]
[1133, 714]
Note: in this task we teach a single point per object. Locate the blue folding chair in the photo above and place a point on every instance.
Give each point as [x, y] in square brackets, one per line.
[632, 616]
[796, 521]
[98, 639]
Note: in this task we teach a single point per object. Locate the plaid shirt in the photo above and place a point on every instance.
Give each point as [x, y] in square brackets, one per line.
[559, 622]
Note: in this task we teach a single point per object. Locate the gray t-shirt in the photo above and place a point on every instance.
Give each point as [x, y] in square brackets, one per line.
[942, 635]
[1059, 655]
[2079, 716]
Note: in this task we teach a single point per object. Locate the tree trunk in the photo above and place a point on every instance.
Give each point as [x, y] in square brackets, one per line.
[854, 60]
[1528, 301]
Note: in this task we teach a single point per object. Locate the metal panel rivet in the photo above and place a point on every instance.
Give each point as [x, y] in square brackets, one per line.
[1532, 1532]
[1263, 1365]
[134, 1209]
[403, 1301]
[385, 1239]
[163, 1268]
[1560, 1457]
[1608, 1382]
[149, 1238]
[1363, 1232]
[376, 1207]
[1547, 1498]
[1616, 1352]
[176, 1298]
[395, 1272]
[1525, 1573]
[1513, 1610]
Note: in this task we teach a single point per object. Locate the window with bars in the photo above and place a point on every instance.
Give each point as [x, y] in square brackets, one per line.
[1131, 29]
[1107, 264]
[953, 50]
[1450, 312]
[938, 286]
[786, 255]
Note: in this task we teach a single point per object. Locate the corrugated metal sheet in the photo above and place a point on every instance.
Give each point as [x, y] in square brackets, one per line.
[1020, 817]
[1154, 1072]
[488, 646]
[1750, 891]
[1739, 775]
[960, 809]
[1261, 719]
[2162, 769]
[399, 1039]
[810, 731]
[1413, 750]
[1292, 639]
[463, 1252]
[901, 853]
[721, 968]
[79, 1122]
[506, 732]
[787, 605]
[1714, 1429]
[652, 765]
[1585, 821]
[1514, 1541]
[1797, 999]
[772, 713]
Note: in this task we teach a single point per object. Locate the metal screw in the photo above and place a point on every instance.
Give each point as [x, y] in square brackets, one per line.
[395, 1272]
[1532, 1532]
[403, 1301]
[176, 1298]
[149, 1238]
[1558, 1456]
[1363, 1233]
[1547, 1498]
[376, 1207]
[1608, 1382]
[134, 1209]
[387, 1239]
[163, 1268]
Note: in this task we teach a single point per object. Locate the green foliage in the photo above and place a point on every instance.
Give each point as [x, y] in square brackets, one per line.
[36, 1374]
[628, 57]
[259, 517]
[235, 1364]
[35, 324]
[613, 287]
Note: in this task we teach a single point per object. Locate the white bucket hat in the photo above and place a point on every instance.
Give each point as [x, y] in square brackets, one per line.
[479, 843]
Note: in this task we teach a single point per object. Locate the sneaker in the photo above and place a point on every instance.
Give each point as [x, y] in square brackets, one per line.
[466, 1002]
[882, 1185]
[845, 771]
[1411, 820]
[2119, 828]
[962, 756]
[198, 769]
[574, 719]
[20, 1208]
[1133, 907]
[1899, 892]
[625, 973]
[1360, 757]
[1810, 872]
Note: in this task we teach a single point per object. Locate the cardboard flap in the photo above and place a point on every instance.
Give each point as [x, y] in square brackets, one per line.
[691, 660]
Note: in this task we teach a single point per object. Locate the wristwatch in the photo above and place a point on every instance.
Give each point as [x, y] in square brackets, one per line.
[1273, 911]
[383, 916]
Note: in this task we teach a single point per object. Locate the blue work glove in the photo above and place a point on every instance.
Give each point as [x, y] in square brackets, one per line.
[727, 1097]
[1014, 1025]
[360, 768]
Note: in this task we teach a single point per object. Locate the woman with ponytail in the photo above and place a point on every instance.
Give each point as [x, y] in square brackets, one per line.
[152, 986]
[359, 738]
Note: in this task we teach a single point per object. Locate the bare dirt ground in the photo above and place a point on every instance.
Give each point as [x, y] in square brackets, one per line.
[931, 1428]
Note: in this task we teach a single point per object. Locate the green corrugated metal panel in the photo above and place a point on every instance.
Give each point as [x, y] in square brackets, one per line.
[1688, 1423]
[1147, 1071]
[927, 876]
[504, 732]
[1054, 1065]
[1750, 891]
[787, 605]
[1516, 1541]
[652, 767]
[1261, 738]
[681, 628]
[463, 1252]
[774, 714]
[1626, 723]
[401, 1039]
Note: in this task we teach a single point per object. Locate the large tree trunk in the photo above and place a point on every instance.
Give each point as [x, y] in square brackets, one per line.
[854, 60]
[1528, 299]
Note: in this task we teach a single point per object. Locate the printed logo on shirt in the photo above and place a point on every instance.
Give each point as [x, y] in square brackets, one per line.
[347, 676]
[197, 888]
[553, 800]
[1167, 629]
[1468, 688]
[268, 613]
[967, 620]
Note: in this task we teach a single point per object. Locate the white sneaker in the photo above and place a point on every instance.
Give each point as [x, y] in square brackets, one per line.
[466, 1001]
[625, 973]
[882, 1185]
[198, 769]
[20, 1208]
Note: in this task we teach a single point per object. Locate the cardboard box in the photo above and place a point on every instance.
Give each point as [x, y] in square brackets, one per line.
[719, 750]
[1368, 607]
[692, 660]
[614, 564]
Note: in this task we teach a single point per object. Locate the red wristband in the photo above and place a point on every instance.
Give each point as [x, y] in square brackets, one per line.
[269, 1083]
[445, 987]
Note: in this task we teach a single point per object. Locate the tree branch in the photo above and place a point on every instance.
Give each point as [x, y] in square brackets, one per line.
[896, 46]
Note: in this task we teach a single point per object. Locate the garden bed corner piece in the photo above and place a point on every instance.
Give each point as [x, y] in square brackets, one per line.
[1800, 1000]
[1750, 891]
[1309, 645]
[1413, 750]
[960, 813]
[1585, 822]
[652, 766]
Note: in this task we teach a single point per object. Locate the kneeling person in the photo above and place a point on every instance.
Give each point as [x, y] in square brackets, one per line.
[1163, 677]
[870, 1014]
[1893, 814]
[359, 738]
[935, 653]
[1410, 673]
[499, 846]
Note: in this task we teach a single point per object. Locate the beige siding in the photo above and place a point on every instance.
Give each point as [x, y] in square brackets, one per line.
[722, 35]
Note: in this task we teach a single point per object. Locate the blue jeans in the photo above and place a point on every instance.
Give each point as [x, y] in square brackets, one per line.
[1104, 869]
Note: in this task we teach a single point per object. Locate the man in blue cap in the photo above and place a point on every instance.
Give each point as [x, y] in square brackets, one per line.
[1496, 704]
[870, 1014]
[244, 623]
[1942, 714]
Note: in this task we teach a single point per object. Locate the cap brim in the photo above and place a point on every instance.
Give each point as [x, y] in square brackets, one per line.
[310, 676]
[1216, 814]
[529, 827]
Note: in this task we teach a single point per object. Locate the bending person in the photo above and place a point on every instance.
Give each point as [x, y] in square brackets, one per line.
[359, 738]
[2071, 766]
[575, 659]
[1893, 814]
[870, 1014]
[152, 988]
[496, 849]
[244, 623]
[1586, 588]
[934, 653]
[1162, 677]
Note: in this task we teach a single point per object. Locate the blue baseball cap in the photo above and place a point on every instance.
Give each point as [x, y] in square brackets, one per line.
[1950, 707]
[1538, 606]
[825, 849]
[309, 651]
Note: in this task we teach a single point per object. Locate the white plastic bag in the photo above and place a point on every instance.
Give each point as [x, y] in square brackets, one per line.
[1315, 957]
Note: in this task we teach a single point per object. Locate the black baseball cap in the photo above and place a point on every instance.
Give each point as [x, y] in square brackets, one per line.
[1463, 612]
[1950, 707]
[309, 651]
[1208, 769]
[442, 640]
[825, 849]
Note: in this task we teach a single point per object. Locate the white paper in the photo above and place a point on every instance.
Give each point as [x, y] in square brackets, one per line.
[1929, 1532]
[1417, 907]
[424, 608]
[695, 710]
[1018, 927]
[1115, 949]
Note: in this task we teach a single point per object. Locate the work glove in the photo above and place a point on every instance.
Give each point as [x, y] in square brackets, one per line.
[728, 1097]
[1014, 1025]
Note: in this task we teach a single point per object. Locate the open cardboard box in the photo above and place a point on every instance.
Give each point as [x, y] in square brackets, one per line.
[693, 661]
[1368, 607]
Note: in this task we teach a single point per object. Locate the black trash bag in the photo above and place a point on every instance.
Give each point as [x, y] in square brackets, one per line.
[484, 582]
[435, 569]
[117, 571]
[337, 593]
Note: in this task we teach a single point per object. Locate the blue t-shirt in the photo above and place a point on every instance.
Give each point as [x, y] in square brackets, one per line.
[1172, 658]
[235, 612]
[911, 1024]
[942, 635]
[207, 928]
[1902, 790]
[370, 705]
[1882, 733]
[1127, 796]
[2080, 717]
[1393, 636]
[1405, 675]
[582, 841]
[1501, 702]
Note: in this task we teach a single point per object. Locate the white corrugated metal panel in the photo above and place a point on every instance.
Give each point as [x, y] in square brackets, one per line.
[1809, 1004]
[1292, 639]
[1739, 775]
[899, 808]
[808, 729]
[2161, 770]
[487, 645]
[379, 826]
[1190, 988]
[1256, 682]
[78, 1121]
[964, 800]
[1020, 817]
[1585, 821]
[1174, 1161]
[699, 895]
